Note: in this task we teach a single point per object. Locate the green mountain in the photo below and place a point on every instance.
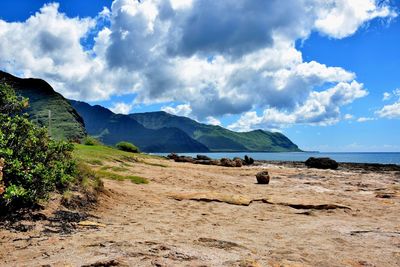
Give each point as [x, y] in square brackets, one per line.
[112, 128]
[65, 122]
[217, 138]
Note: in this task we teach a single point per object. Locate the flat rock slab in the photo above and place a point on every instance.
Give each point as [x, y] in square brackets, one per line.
[246, 201]
[214, 197]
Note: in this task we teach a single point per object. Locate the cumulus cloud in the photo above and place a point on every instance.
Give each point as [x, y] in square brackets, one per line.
[218, 57]
[321, 108]
[121, 108]
[213, 121]
[348, 117]
[180, 110]
[390, 111]
[341, 18]
[386, 96]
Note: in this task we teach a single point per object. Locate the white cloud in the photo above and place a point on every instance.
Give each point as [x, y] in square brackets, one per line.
[364, 119]
[121, 108]
[197, 52]
[180, 110]
[348, 117]
[390, 111]
[341, 18]
[321, 108]
[213, 121]
[386, 96]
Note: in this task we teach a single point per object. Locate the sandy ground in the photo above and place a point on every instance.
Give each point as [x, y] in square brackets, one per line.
[144, 225]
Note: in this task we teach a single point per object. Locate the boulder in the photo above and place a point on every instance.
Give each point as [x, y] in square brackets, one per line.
[321, 163]
[173, 156]
[238, 162]
[202, 157]
[184, 159]
[262, 177]
[227, 162]
[207, 162]
[248, 160]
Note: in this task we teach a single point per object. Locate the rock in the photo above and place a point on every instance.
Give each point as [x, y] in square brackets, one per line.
[227, 162]
[184, 159]
[173, 156]
[91, 224]
[238, 162]
[207, 162]
[106, 263]
[262, 177]
[321, 163]
[203, 157]
[248, 160]
[215, 243]
[213, 197]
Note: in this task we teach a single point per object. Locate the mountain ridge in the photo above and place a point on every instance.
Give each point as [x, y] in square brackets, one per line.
[66, 123]
[112, 128]
[217, 138]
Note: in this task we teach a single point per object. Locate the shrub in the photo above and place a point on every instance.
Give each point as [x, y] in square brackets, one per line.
[91, 141]
[34, 164]
[126, 146]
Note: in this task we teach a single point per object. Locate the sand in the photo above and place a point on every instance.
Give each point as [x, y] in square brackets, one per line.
[195, 215]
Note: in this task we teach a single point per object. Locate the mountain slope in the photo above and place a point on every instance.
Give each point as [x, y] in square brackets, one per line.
[112, 128]
[217, 138]
[65, 121]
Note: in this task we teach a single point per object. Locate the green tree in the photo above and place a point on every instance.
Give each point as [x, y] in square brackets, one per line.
[34, 164]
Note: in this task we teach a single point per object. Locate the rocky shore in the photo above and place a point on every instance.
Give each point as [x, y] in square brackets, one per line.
[210, 215]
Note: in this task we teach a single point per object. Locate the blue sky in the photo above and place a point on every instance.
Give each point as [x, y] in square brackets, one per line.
[328, 81]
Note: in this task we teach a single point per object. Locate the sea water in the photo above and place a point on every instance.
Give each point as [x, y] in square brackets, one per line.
[358, 157]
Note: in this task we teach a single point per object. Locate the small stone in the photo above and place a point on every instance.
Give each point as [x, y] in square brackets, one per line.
[262, 177]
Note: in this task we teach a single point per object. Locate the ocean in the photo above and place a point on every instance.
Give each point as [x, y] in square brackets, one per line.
[357, 157]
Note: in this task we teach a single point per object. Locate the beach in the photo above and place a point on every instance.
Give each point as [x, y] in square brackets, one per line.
[198, 215]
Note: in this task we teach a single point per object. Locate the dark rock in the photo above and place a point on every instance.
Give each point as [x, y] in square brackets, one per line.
[321, 163]
[207, 162]
[227, 162]
[105, 263]
[262, 177]
[238, 162]
[173, 156]
[203, 157]
[184, 159]
[248, 160]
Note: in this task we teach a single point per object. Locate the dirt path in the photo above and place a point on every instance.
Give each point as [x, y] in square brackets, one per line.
[286, 224]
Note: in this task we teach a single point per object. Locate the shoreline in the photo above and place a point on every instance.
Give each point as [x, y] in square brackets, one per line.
[349, 166]
[198, 215]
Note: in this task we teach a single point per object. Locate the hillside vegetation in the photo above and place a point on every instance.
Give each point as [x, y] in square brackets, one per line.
[32, 163]
[65, 121]
[217, 138]
[113, 128]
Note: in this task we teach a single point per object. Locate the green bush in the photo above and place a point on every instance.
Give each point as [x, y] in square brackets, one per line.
[126, 146]
[91, 141]
[34, 164]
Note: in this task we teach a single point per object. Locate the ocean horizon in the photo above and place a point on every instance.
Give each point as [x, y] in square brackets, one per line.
[353, 157]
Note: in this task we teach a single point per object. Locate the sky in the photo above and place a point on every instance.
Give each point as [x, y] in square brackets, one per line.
[324, 73]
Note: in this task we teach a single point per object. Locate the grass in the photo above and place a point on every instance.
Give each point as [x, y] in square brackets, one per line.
[95, 162]
[114, 176]
[114, 168]
[105, 153]
[99, 155]
[154, 164]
